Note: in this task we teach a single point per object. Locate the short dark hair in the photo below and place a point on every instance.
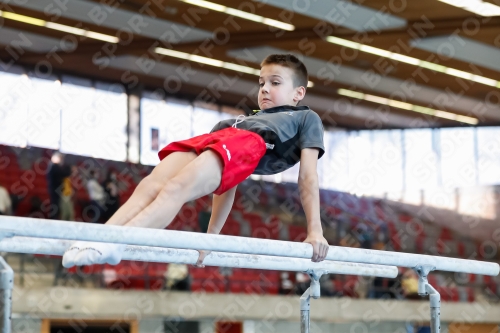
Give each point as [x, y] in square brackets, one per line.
[300, 77]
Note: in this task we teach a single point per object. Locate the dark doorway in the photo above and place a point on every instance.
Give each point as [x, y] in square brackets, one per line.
[88, 326]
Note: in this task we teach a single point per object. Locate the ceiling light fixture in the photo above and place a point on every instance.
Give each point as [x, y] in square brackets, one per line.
[241, 14]
[408, 106]
[476, 6]
[413, 61]
[59, 27]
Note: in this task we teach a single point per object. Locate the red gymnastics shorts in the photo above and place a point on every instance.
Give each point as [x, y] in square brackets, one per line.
[239, 150]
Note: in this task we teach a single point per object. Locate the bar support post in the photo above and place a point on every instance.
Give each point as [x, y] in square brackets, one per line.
[424, 288]
[305, 306]
[313, 291]
[6, 286]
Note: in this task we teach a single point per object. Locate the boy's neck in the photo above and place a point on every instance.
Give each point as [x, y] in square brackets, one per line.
[284, 108]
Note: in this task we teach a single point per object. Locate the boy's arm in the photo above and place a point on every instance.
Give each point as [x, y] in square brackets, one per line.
[309, 195]
[221, 207]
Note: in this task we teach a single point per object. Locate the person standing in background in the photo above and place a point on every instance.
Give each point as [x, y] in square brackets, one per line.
[112, 198]
[66, 203]
[97, 197]
[409, 284]
[177, 277]
[57, 172]
[204, 218]
[5, 202]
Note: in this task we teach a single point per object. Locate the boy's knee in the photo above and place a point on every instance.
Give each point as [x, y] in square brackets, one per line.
[150, 187]
[175, 187]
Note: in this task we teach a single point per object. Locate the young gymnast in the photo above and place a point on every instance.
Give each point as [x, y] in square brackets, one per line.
[267, 142]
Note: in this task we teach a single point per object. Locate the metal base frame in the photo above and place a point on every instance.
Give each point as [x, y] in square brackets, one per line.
[6, 286]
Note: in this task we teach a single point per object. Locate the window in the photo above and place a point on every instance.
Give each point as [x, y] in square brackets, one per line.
[488, 153]
[14, 94]
[387, 163]
[94, 119]
[168, 120]
[291, 175]
[204, 120]
[360, 156]
[44, 113]
[333, 166]
[421, 159]
[458, 163]
[477, 201]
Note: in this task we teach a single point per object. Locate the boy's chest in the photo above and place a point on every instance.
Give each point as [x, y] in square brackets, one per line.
[286, 119]
[282, 126]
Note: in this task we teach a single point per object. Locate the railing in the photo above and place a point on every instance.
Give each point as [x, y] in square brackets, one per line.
[27, 235]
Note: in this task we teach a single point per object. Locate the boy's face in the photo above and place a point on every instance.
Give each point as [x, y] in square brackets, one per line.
[276, 87]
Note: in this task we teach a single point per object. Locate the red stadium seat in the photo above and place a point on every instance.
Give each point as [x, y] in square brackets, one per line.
[213, 286]
[443, 293]
[432, 280]
[461, 249]
[446, 234]
[196, 285]
[274, 289]
[261, 230]
[492, 287]
[252, 218]
[454, 294]
[236, 286]
[297, 233]
[405, 218]
[232, 229]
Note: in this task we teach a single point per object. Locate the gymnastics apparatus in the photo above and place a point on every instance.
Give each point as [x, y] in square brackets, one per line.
[38, 236]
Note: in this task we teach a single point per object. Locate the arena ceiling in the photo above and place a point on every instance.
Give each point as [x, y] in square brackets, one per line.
[372, 64]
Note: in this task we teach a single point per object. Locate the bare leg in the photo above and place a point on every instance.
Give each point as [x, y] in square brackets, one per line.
[200, 177]
[149, 188]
